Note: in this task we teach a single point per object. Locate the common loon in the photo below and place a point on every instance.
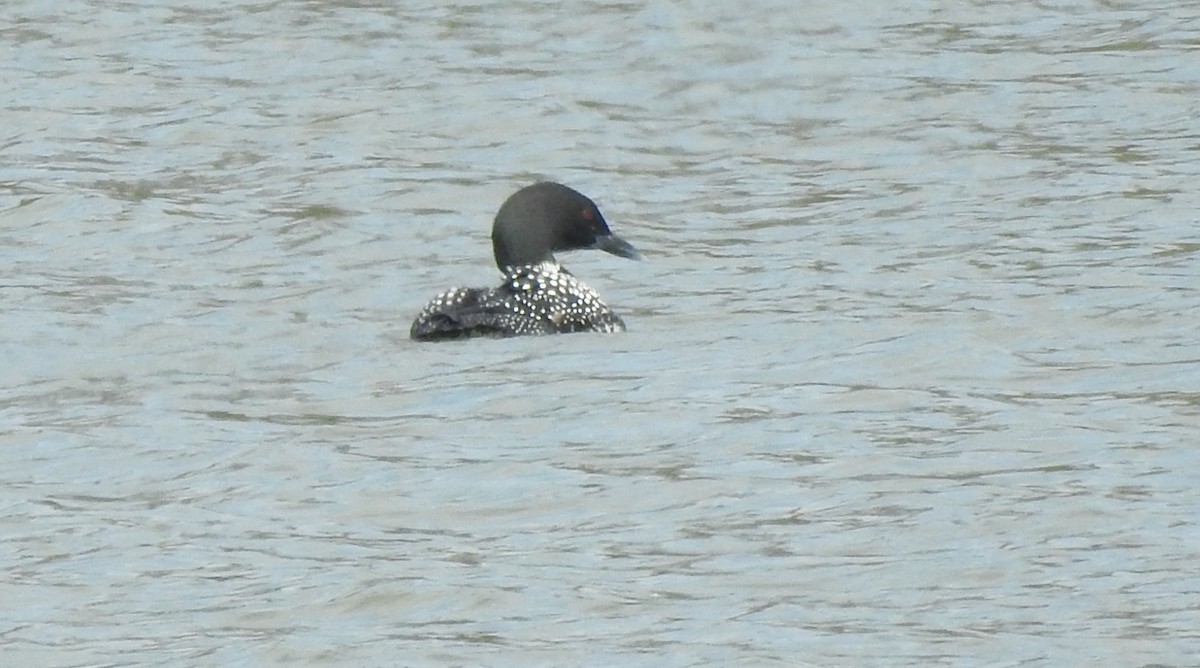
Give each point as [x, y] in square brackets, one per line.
[538, 295]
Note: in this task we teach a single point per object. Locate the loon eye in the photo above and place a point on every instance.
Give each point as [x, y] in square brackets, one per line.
[586, 214]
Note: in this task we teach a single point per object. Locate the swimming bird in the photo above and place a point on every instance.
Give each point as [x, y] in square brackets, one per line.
[538, 295]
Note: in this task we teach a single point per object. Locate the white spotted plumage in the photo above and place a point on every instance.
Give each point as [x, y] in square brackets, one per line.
[542, 298]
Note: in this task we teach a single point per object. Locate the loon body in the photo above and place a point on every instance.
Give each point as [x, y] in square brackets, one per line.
[538, 295]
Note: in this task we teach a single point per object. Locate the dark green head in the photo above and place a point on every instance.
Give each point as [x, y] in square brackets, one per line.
[545, 217]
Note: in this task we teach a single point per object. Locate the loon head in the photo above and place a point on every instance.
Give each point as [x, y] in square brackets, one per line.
[545, 217]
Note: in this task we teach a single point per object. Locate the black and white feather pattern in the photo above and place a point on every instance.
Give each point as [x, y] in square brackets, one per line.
[542, 298]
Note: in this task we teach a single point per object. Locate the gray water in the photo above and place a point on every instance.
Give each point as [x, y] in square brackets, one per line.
[911, 379]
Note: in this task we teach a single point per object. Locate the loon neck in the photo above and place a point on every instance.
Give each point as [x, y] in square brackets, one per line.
[506, 257]
[550, 266]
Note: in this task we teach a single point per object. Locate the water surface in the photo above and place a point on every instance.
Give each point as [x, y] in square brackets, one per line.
[911, 375]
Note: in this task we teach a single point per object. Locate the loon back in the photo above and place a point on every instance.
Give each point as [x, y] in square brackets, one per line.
[536, 299]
